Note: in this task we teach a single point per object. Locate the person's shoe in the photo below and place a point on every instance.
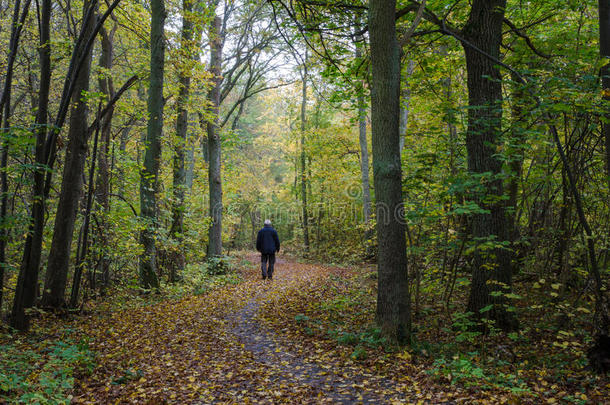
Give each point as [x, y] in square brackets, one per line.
[265, 277]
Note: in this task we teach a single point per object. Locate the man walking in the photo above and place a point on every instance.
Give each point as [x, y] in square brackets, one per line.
[267, 242]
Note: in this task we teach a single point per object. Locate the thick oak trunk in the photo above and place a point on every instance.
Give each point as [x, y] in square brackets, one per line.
[393, 300]
[492, 267]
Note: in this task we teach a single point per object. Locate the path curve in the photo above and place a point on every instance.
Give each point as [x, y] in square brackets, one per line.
[344, 385]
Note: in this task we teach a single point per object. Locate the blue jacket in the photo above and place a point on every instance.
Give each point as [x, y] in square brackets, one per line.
[267, 241]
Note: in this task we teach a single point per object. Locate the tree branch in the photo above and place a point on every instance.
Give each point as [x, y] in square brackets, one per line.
[111, 103]
[527, 39]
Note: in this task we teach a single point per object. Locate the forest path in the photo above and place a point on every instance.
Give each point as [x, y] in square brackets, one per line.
[218, 348]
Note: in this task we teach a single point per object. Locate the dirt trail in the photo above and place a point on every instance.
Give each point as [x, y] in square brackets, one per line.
[343, 384]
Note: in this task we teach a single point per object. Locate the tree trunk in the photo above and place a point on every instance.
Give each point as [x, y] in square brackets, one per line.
[303, 158]
[492, 267]
[177, 261]
[152, 154]
[124, 139]
[604, 50]
[72, 181]
[102, 186]
[83, 250]
[404, 106]
[214, 141]
[393, 298]
[190, 169]
[516, 165]
[364, 161]
[27, 282]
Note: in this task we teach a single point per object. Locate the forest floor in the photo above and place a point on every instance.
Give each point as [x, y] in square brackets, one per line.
[307, 336]
[224, 347]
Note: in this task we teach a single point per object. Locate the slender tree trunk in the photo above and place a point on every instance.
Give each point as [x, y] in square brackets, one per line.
[27, 282]
[124, 139]
[5, 109]
[405, 105]
[516, 165]
[214, 141]
[72, 181]
[102, 186]
[364, 160]
[492, 268]
[184, 82]
[604, 49]
[303, 158]
[190, 170]
[152, 155]
[393, 298]
[83, 251]
[205, 153]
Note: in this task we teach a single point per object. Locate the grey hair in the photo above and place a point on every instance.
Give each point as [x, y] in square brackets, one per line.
[267, 222]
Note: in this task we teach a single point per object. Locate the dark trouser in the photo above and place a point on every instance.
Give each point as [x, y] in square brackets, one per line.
[267, 272]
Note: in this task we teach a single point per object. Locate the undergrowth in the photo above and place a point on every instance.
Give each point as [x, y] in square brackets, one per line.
[32, 371]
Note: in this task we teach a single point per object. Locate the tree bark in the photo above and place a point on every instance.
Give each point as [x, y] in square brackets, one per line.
[492, 267]
[72, 181]
[152, 154]
[393, 298]
[214, 141]
[179, 186]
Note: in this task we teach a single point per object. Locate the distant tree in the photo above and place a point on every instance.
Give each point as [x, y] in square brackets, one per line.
[303, 155]
[179, 185]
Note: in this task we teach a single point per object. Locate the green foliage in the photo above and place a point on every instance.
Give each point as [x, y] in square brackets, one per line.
[200, 278]
[218, 265]
[463, 369]
[359, 353]
[30, 376]
[465, 327]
